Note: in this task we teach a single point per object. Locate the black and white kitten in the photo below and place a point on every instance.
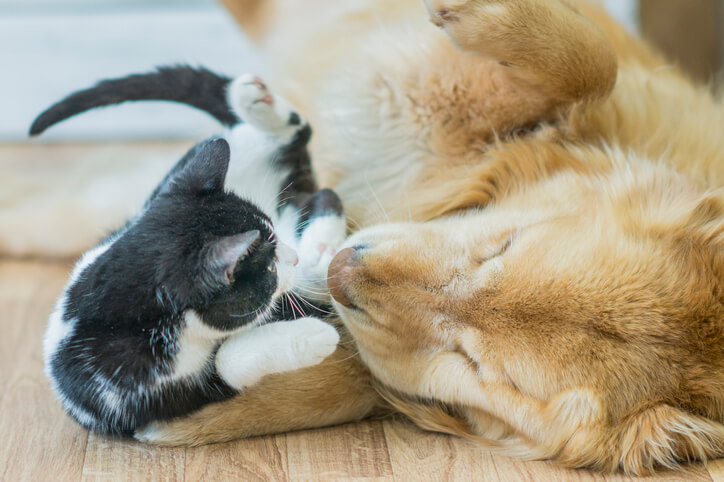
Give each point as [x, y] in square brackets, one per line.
[270, 164]
[163, 317]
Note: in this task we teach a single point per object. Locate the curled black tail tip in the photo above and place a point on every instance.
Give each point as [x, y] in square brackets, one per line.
[35, 130]
[39, 126]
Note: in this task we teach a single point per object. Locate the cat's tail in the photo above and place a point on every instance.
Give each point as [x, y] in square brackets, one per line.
[197, 87]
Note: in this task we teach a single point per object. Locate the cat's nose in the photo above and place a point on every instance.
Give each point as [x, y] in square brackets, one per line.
[341, 270]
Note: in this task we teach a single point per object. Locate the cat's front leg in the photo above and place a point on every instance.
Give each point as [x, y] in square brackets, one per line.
[245, 358]
[325, 229]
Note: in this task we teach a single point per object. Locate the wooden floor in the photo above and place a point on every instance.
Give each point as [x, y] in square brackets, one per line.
[38, 441]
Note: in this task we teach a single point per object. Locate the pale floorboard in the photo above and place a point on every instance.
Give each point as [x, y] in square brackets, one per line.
[341, 453]
[38, 440]
[106, 458]
[256, 459]
[716, 470]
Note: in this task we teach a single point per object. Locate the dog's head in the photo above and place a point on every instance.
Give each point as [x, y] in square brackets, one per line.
[578, 280]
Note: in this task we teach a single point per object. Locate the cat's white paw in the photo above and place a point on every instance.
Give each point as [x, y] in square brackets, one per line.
[279, 347]
[250, 97]
[318, 245]
[313, 341]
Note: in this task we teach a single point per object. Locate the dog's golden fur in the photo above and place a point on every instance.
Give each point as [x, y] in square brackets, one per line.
[551, 282]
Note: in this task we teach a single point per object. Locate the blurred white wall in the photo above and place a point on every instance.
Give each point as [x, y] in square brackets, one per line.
[626, 11]
[49, 48]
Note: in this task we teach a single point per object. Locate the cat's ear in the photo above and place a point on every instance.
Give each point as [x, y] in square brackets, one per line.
[206, 171]
[223, 254]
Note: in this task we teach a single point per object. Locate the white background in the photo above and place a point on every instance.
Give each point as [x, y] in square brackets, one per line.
[49, 48]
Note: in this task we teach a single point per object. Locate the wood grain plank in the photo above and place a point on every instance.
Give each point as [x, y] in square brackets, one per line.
[255, 459]
[39, 439]
[114, 459]
[419, 455]
[693, 473]
[716, 470]
[511, 469]
[353, 451]
[15, 297]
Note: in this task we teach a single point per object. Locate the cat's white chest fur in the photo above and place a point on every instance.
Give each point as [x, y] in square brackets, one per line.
[195, 346]
[251, 174]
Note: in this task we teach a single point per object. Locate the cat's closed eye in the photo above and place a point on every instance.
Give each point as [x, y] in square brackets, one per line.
[272, 268]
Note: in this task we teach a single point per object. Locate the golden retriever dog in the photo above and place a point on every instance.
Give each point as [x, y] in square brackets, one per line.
[538, 256]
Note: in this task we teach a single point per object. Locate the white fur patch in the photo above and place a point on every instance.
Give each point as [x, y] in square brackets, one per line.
[195, 346]
[286, 228]
[286, 268]
[495, 10]
[255, 105]
[108, 392]
[252, 174]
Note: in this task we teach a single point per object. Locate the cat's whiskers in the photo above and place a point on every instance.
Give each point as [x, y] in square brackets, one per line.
[310, 284]
[304, 291]
[295, 307]
[354, 224]
[282, 201]
[302, 224]
[310, 305]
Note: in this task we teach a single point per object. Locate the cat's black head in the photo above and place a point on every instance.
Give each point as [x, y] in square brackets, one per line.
[205, 249]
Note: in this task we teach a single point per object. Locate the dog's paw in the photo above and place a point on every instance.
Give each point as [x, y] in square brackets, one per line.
[476, 25]
[256, 105]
